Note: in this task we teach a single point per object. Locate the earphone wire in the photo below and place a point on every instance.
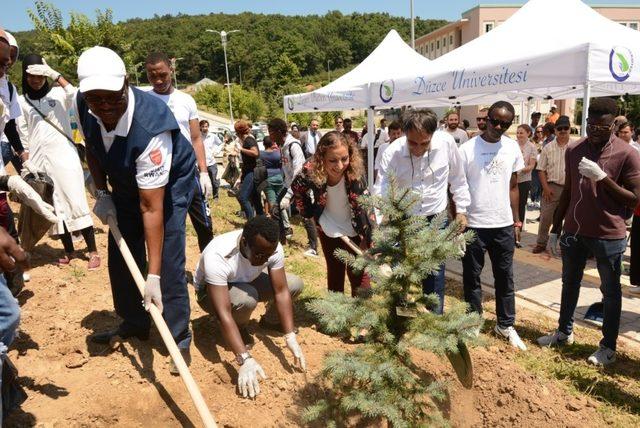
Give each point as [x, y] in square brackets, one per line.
[575, 209]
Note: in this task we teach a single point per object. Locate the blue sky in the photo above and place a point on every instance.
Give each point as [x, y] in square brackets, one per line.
[13, 15]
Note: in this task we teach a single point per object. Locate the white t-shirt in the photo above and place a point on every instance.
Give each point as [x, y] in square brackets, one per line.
[460, 136]
[154, 163]
[336, 216]
[12, 106]
[635, 145]
[212, 147]
[183, 107]
[221, 262]
[4, 118]
[488, 167]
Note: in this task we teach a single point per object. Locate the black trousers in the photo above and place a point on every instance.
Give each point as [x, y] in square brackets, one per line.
[200, 216]
[523, 190]
[500, 244]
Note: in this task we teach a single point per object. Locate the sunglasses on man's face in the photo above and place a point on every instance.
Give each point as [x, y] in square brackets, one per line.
[503, 125]
[562, 128]
[599, 128]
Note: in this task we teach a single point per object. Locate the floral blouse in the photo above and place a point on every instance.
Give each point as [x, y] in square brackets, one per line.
[308, 207]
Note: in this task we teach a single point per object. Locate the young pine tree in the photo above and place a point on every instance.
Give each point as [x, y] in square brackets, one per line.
[378, 381]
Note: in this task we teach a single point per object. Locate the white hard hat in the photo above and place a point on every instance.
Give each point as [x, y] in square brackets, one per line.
[100, 68]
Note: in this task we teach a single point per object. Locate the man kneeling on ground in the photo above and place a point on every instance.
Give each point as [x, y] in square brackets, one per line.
[230, 271]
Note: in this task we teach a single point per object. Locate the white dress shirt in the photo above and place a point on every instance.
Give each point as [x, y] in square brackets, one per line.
[428, 175]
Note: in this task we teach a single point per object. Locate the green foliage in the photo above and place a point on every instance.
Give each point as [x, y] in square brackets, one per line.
[277, 54]
[62, 46]
[378, 380]
[247, 103]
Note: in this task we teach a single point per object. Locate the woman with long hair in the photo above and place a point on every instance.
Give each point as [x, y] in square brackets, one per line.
[529, 153]
[45, 127]
[335, 177]
[249, 153]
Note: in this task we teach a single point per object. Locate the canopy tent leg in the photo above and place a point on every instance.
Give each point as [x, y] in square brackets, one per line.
[585, 107]
[370, 138]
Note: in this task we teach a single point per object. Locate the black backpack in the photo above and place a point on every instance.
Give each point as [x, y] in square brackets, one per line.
[260, 176]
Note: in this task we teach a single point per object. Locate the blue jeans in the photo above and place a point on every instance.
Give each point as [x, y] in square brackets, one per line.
[608, 254]
[247, 197]
[213, 175]
[435, 283]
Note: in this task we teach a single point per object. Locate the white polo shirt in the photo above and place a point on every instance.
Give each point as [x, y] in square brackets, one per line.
[429, 175]
[154, 163]
[221, 262]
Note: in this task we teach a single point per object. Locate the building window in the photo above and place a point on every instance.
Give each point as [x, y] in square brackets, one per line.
[437, 44]
[426, 48]
[632, 25]
[444, 42]
[451, 39]
[431, 46]
[488, 26]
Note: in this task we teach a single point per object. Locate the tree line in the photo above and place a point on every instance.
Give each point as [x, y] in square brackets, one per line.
[271, 55]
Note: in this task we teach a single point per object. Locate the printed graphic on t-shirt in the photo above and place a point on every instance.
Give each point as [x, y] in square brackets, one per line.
[156, 156]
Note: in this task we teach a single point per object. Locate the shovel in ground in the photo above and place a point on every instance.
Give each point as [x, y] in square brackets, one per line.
[460, 360]
[156, 315]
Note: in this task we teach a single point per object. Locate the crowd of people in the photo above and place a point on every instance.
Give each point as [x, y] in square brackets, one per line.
[153, 163]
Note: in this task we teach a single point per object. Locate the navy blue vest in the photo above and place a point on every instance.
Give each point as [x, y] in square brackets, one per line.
[151, 117]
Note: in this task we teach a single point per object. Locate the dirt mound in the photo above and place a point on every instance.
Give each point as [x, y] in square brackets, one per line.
[72, 382]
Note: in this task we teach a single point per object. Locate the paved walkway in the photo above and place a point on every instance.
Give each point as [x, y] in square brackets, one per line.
[538, 279]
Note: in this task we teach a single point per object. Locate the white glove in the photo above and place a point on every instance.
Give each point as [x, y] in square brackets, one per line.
[248, 378]
[461, 243]
[28, 167]
[553, 243]
[30, 197]
[152, 293]
[205, 185]
[285, 202]
[590, 169]
[294, 347]
[43, 70]
[104, 208]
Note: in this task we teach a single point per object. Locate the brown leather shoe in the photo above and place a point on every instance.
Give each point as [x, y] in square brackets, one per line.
[539, 249]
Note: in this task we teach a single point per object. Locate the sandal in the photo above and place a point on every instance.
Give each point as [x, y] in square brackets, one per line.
[64, 261]
[94, 262]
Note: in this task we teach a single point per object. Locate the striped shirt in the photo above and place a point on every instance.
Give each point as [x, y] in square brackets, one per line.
[552, 162]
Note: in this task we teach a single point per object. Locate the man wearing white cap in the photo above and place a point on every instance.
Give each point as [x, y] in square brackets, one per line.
[134, 142]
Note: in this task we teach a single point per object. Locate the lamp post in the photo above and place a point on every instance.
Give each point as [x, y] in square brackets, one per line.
[175, 70]
[223, 37]
[413, 27]
[135, 72]
[328, 70]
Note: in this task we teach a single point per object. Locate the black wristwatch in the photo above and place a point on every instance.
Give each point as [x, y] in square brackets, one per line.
[242, 358]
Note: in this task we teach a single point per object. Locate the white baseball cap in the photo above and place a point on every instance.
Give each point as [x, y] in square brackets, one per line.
[100, 68]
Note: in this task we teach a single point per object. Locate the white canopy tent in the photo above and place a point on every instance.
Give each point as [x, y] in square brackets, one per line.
[352, 90]
[576, 53]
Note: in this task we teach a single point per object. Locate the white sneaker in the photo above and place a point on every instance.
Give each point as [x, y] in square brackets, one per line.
[634, 290]
[602, 357]
[26, 277]
[511, 335]
[311, 253]
[556, 338]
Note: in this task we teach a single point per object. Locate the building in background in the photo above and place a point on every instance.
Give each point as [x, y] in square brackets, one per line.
[484, 18]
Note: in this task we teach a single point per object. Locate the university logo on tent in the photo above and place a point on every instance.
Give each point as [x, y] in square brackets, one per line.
[387, 88]
[620, 63]
[290, 104]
